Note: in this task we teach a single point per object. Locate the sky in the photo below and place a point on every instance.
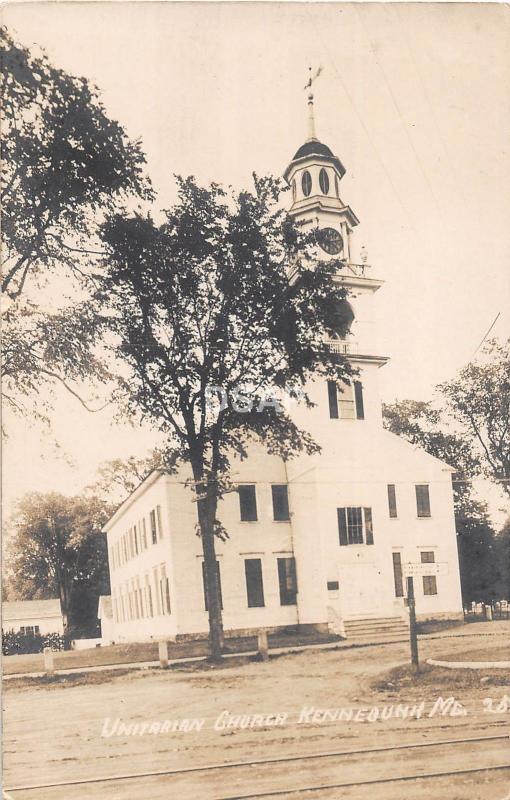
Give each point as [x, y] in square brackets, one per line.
[413, 98]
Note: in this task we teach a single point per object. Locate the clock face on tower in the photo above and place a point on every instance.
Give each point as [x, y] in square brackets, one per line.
[330, 240]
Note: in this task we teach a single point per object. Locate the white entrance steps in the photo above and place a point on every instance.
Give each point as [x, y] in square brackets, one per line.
[376, 629]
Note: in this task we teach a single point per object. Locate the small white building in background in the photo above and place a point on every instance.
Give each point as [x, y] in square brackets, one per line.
[33, 617]
[322, 542]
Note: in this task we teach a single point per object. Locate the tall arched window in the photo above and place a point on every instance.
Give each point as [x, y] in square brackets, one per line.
[342, 319]
[294, 191]
[306, 183]
[324, 181]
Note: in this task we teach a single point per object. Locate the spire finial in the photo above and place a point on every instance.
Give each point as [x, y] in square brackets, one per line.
[311, 119]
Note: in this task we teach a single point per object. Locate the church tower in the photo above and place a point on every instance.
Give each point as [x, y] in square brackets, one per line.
[314, 176]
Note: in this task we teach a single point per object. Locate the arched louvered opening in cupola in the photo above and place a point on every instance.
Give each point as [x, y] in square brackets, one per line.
[341, 320]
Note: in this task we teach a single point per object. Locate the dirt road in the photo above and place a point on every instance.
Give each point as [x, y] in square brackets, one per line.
[308, 703]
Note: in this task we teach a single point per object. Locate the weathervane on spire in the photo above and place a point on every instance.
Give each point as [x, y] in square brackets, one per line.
[311, 118]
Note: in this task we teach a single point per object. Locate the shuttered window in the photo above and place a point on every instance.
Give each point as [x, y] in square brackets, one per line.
[355, 525]
[154, 531]
[254, 584]
[332, 400]
[280, 502]
[248, 503]
[287, 580]
[397, 575]
[392, 501]
[422, 500]
[358, 399]
[204, 584]
[427, 557]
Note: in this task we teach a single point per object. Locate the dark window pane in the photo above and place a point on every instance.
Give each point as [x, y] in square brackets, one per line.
[342, 526]
[333, 586]
[369, 529]
[422, 500]
[324, 181]
[288, 581]
[280, 502]
[358, 398]
[306, 183]
[397, 575]
[429, 584]
[392, 500]
[354, 525]
[206, 603]
[248, 503]
[427, 557]
[333, 400]
[154, 533]
[254, 585]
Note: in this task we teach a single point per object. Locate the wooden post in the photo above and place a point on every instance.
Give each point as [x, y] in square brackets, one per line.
[49, 667]
[412, 625]
[262, 645]
[163, 654]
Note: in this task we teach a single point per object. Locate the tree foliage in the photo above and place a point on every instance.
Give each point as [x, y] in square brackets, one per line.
[479, 400]
[55, 548]
[65, 164]
[117, 478]
[222, 294]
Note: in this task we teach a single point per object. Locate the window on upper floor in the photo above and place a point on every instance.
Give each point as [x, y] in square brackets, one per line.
[422, 500]
[428, 557]
[306, 183]
[159, 521]
[346, 401]
[392, 501]
[287, 581]
[355, 525]
[324, 181]
[154, 528]
[280, 502]
[143, 534]
[247, 503]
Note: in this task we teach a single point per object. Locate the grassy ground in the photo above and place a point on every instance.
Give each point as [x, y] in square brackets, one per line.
[484, 653]
[148, 651]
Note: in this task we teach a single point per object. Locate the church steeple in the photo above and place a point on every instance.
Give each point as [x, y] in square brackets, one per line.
[314, 174]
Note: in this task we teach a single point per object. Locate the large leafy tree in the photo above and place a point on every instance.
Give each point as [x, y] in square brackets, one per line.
[479, 400]
[55, 548]
[65, 164]
[428, 426]
[225, 294]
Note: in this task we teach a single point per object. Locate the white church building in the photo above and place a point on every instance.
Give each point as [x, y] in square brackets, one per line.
[321, 542]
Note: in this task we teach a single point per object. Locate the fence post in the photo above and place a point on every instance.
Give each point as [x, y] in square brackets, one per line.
[163, 654]
[488, 613]
[262, 645]
[49, 667]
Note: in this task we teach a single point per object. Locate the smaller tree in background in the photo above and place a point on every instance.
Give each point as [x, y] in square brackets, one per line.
[479, 400]
[56, 549]
[119, 477]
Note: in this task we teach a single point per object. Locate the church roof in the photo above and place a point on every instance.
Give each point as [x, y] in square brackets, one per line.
[311, 148]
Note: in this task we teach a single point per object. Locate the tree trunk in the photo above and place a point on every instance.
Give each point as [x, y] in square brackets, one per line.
[206, 518]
